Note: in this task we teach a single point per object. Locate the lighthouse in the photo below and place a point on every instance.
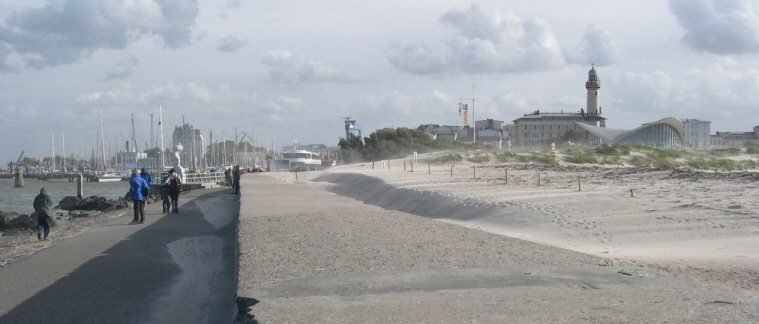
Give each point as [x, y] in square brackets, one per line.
[594, 95]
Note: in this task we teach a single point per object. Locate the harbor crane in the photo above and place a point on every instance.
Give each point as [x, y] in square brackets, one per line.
[350, 128]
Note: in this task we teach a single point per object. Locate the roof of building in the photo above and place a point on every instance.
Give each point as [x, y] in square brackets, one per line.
[610, 135]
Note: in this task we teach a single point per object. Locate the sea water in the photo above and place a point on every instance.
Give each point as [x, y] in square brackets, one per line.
[20, 200]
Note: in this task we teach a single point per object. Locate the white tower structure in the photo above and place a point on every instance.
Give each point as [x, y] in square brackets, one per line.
[594, 95]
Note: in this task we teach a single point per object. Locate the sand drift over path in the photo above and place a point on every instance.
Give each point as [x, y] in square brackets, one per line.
[702, 226]
[308, 255]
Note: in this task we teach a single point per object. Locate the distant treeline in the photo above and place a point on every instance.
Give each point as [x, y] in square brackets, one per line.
[390, 143]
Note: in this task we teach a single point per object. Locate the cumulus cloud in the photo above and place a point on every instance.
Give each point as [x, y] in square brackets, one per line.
[67, 31]
[122, 69]
[230, 44]
[597, 47]
[484, 42]
[290, 69]
[718, 26]
[416, 59]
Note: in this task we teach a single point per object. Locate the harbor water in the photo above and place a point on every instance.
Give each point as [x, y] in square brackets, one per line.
[20, 200]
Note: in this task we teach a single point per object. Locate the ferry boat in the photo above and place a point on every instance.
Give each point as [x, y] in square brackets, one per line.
[302, 160]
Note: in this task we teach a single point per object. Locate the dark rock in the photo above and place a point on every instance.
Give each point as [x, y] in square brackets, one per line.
[92, 203]
[23, 221]
[6, 218]
[69, 203]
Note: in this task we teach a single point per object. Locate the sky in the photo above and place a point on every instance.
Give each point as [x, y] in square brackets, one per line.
[289, 70]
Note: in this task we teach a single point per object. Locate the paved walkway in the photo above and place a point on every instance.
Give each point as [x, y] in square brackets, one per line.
[312, 256]
[176, 268]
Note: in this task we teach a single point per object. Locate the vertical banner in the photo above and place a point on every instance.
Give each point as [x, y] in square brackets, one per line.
[464, 108]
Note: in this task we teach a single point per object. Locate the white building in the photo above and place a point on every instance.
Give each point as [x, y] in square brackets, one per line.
[696, 134]
[193, 146]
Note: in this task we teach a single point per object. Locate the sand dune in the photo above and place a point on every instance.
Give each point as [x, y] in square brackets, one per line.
[704, 226]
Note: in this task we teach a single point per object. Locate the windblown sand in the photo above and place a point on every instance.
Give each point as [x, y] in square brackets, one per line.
[703, 226]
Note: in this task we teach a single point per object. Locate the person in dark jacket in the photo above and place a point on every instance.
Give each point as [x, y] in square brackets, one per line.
[236, 179]
[146, 175]
[175, 185]
[43, 207]
[165, 194]
[137, 187]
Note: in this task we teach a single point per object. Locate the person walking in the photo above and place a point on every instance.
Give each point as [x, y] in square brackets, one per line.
[175, 185]
[43, 207]
[228, 177]
[137, 187]
[145, 174]
[236, 179]
[165, 194]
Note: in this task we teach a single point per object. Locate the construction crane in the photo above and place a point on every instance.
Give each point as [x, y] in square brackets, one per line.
[20, 158]
[350, 127]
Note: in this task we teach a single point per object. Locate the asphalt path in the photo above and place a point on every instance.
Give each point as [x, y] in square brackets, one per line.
[175, 268]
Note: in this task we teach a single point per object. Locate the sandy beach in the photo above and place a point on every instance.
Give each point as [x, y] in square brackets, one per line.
[353, 244]
[698, 225]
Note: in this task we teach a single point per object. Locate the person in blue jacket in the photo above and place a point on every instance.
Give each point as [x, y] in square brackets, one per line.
[137, 189]
[145, 174]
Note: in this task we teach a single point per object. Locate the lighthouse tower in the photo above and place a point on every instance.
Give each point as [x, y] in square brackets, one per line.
[594, 96]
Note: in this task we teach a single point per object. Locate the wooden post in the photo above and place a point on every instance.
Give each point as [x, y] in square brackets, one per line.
[412, 165]
[388, 164]
[79, 185]
[506, 176]
[474, 172]
[579, 184]
[538, 179]
[404, 165]
[296, 176]
[451, 170]
[429, 169]
[372, 165]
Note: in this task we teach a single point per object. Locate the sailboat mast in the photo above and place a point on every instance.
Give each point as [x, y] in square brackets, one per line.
[160, 130]
[52, 159]
[102, 138]
[63, 150]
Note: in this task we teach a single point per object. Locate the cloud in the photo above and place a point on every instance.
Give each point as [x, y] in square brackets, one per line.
[597, 47]
[230, 44]
[415, 108]
[123, 69]
[416, 59]
[286, 68]
[719, 26]
[201, 101]
[483, 42]
[68, 31]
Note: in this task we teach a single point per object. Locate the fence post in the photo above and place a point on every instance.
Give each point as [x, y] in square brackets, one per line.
[372, 165]
[579, 184]
[451, 170]
[404, 165]
[474, 172]
[538, 179]
[429, 169]
[507, 175]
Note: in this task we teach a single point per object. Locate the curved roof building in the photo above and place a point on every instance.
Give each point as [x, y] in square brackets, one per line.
[667, 132]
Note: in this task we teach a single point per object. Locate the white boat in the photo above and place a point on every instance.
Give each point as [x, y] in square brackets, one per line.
[108, 177]
[302, 160]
